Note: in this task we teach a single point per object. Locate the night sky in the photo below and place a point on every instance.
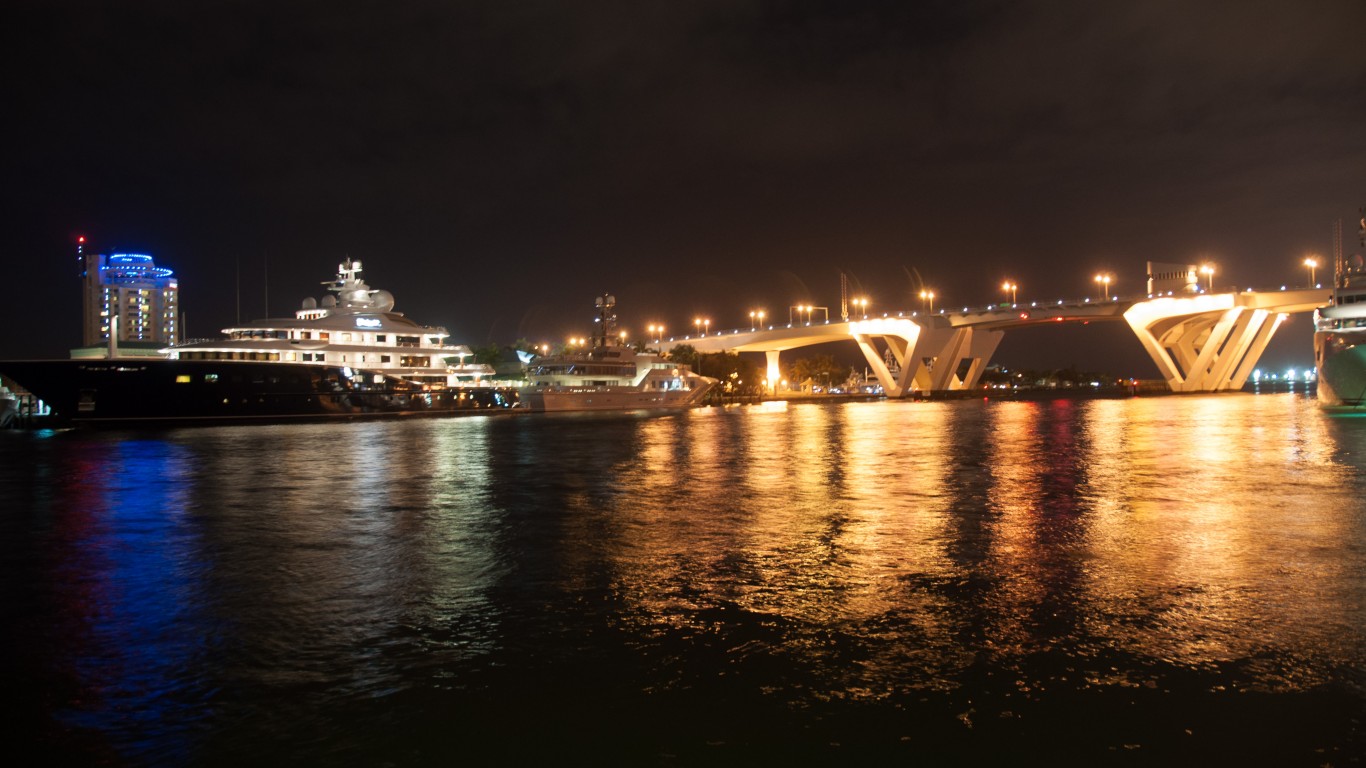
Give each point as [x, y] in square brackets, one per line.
[497, 165]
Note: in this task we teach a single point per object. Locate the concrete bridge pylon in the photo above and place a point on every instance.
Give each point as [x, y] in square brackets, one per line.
[1207, 343]
[929, 357]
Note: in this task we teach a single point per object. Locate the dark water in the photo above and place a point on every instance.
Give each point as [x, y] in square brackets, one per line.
[1154, 581]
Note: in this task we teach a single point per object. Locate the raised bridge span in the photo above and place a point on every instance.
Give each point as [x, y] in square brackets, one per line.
[1208, 342]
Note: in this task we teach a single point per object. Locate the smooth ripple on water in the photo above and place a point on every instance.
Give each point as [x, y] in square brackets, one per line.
[1173, 580]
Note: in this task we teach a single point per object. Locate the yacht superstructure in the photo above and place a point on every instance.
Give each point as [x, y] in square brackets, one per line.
[353, 326]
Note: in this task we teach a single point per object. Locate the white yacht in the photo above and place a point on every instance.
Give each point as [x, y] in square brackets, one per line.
[348, 356]
[609, 376]
[354, 326]
[1340, 335]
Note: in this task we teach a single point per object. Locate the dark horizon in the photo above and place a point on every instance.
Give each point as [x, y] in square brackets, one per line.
[496, 168]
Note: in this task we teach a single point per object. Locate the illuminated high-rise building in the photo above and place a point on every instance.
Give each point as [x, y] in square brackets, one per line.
[131, 287]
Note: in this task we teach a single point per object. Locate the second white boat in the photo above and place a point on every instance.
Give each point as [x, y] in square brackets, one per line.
[610, 376]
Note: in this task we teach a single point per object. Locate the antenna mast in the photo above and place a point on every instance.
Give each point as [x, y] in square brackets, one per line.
[844, 297]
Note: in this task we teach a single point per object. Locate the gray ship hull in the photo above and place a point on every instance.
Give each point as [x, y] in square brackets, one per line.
[1341, 361]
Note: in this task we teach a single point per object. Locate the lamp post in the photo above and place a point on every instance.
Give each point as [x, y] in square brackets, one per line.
[862, 305]
[1312, 263]
[1105, 281]
[697, 325]
[761, 314]
[1012, 287]
[927, 296]
[1208, 271]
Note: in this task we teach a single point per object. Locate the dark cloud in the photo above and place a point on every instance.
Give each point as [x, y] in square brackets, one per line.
[499, 164]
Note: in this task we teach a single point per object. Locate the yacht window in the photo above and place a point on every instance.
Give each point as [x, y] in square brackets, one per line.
[384, 358]
[324, 335]
[380, 338]
[346, 337]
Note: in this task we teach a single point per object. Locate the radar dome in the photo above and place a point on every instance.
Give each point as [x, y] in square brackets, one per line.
[329, 301]
[310, 303]
[383, 300]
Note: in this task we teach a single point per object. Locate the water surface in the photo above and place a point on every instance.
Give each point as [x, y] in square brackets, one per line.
[1167, 580]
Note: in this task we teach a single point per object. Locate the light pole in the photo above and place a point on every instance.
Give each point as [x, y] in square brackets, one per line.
[1208, 271]
[862, 305]
[761, 314]
[1105, 281]
[927, 296]
[1312, 263]
[697, 325]
[1011, 286]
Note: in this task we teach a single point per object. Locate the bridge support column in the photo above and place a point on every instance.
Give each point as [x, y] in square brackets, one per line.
[775, 373]
[1204, 343]
[892, 386]
[930, 357]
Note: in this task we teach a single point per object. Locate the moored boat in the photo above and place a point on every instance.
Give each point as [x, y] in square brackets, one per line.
[610, 376]
[348, 355]
[1340, 334]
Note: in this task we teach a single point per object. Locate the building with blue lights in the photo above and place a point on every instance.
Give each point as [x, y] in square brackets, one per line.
[129, 292]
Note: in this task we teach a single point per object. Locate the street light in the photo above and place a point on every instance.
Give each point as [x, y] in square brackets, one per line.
[927, 296]
[862, 305]
[756, 319]
[1011, 286]
[1311, 262]
[1208, 270]
[656, 331]
[1105, 280]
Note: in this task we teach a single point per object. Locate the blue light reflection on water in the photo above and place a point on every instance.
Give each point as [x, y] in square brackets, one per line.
[1153, 578]
[115, 576]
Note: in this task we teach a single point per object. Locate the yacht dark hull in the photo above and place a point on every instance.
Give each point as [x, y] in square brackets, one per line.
[155, 391]
[1341, 360]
